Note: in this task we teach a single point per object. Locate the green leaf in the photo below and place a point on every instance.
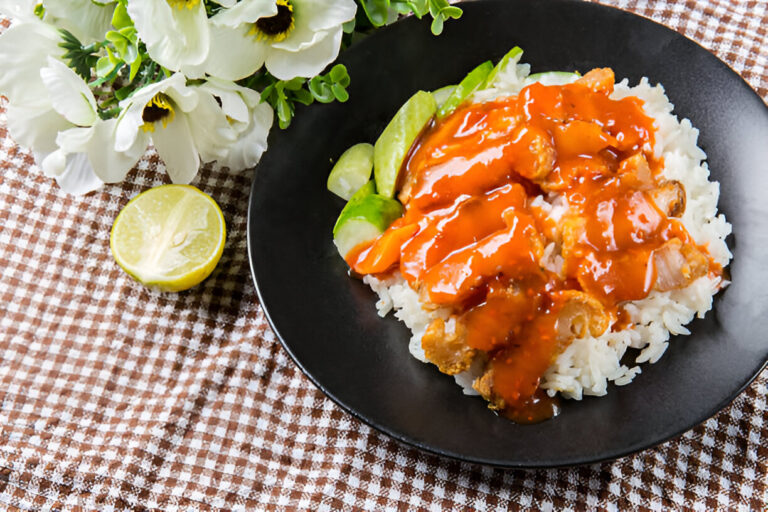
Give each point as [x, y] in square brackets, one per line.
[130, 34]
[109, 77]
[118, 40]
[123, 93]
[135, 66]
[349, 26]
[294, 84]
[340, 93]
[400, 7]
[419, 7]
[304, 97]
[376, 11]
[284, 113]
[452, 12]
[104, 66]
[437, 25]
[120, 18]
[339, 74]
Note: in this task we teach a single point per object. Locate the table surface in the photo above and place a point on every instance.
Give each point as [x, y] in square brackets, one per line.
[113, 397]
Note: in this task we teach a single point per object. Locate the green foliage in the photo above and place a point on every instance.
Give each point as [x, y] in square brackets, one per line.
[81, 58]
[382, 12]
[283, 95]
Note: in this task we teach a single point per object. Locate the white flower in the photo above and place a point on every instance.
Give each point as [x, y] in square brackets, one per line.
[49, 104]
[175, 31]
[290, 37]
[22, 10]
[88, 21]
[24, 50]
[249, 117]
[185, 125]
[85, 158]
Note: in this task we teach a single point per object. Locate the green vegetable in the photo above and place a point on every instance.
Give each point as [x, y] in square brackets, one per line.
[510, 59]
[364, 218]
[474, 80]
[552, 78]
[442, 94]
[397, 138]
[352, 170]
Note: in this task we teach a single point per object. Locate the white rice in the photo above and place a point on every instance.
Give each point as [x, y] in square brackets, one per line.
[589, 364]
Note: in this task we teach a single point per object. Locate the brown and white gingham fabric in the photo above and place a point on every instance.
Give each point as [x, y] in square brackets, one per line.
[116, 398]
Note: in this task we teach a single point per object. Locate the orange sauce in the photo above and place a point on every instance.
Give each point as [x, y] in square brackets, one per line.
[470, 239]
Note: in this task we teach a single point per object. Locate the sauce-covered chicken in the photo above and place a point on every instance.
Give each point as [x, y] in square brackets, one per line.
[474, 238]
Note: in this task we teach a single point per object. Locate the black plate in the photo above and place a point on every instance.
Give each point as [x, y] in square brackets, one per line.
[328, 323]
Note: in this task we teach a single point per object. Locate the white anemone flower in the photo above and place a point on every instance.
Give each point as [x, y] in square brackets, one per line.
[21, 10]
[83, 159]
[24, 51]
[290, 37]
[250, 118]
[185, 125]
[87, 20]
[175, 31]
[47, 101]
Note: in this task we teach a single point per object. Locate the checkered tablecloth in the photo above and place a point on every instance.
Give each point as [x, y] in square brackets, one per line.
[116, 398]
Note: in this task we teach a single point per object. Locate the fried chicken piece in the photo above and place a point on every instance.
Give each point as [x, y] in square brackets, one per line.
[580, 314]
[539, 159]
[484, 386]
[678, 264]
[669, 197]
[635, 171]
[449, 352]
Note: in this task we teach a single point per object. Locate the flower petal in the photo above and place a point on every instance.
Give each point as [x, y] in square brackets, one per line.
[247, 150]
[210, 129]
[302, 35]
[175, 37]
[310, 62]
[245, 12]
[325, 14]
[75, 176]
[70, 95]
[312, 18]
[96, 142]
[233, 54]
[175, 146]
[87, 20]
[235, 100]
[23, 51]
[35, 127]
[23, 10]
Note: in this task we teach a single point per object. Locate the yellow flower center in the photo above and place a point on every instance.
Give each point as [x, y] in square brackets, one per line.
[182, 4]
[159, 108]
[277, 27]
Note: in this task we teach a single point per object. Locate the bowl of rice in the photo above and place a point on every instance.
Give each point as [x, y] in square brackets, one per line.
[677, 355]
